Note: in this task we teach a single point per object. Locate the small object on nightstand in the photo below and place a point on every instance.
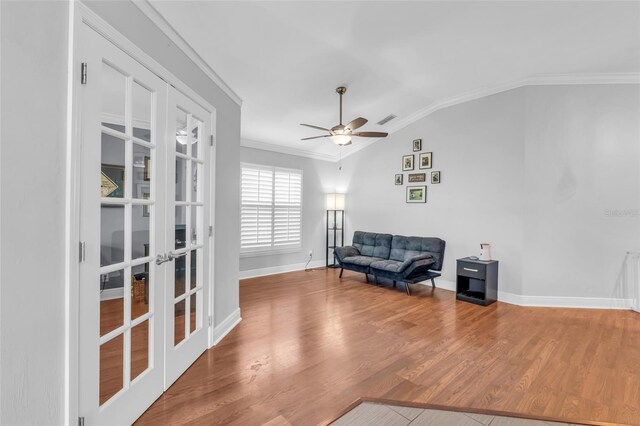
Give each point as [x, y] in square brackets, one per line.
[473, 258]
[477, 281]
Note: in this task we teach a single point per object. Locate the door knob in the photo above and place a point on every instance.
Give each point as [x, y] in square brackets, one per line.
[161, 258]
[172, 255]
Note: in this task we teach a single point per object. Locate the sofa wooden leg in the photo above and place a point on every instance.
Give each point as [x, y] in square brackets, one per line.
[394, 283]
[341, 271]
[433, 283]
[406, 286]
[367, 276]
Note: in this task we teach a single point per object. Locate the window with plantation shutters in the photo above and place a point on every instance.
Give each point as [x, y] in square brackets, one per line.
[271, 208]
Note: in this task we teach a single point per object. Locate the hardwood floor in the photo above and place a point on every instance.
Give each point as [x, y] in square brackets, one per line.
[310, 344]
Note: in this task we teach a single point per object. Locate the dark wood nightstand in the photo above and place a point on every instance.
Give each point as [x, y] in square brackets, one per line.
[477, 281]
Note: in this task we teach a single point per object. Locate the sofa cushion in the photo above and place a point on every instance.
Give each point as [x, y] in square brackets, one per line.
[372, 244]
[360, 260]
[405, 248]
[388, 265]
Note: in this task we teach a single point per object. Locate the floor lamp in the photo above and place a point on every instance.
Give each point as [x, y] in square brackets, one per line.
[335, 226]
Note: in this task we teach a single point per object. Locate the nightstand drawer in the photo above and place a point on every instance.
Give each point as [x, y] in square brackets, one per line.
[472, 270]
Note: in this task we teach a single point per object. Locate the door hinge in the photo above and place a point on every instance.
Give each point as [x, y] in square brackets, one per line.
[80, 421]
[81, 251]
[83, 73]
[210, 321]
[211, 231]
[211, 139]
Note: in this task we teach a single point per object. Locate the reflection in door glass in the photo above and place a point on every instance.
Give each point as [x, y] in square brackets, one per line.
[111, 367]
[141, 172]
[178, 322]
[139, 348]
[111, 234]
[196, 127]
[192, 313]
[180, 275]
[194, 269]
[114, 87]
[181, 179]
[111, 309]
[141, 106]
[139, 290]
[182, 139]
[112, 171]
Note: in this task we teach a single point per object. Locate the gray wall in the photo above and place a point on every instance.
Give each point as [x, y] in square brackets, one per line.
[318, 178]
[32, 176]
[534, 171]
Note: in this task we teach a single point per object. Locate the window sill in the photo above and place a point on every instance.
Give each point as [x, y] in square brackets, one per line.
[270, 252]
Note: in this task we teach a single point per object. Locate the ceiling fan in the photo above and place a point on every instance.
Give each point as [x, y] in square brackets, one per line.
[341, 134]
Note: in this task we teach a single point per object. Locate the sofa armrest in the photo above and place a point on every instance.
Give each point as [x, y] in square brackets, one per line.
[346, 251]
[418, 265]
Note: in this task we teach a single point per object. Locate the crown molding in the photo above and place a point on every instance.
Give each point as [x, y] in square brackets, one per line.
[534, 80]
[156, 17]
[264, 146]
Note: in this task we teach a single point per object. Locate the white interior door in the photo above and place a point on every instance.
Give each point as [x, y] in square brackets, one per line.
[188, 180]
[123, 209]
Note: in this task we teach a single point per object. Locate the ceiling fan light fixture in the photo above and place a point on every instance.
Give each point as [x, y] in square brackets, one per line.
[341, 139]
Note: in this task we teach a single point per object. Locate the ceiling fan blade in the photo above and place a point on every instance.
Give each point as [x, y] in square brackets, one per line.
[357, 123]
[316, 137]
[370, 134]
[316, 127]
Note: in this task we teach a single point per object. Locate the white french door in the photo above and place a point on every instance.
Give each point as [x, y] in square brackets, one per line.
[186, 302]
[144, 275]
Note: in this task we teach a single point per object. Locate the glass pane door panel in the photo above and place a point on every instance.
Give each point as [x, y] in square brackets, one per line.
[141, 106]
[111, 234]
[181, 179]
[111, 367]
[141, 172]
[180, 227]
[114, 87]
[112, 182]
[196, 215]
[196, 127]
[139, 349]
[196, 171]
[140, 224]
[178, 322]
[111, 310]
[180, 276]
[139, 290]
[182, 140]
[192, 312]
[194, 268]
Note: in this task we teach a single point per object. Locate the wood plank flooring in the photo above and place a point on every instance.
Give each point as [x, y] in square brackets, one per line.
[310, 344]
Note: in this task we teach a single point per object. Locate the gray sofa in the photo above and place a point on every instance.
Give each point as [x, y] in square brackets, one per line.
[398, 258]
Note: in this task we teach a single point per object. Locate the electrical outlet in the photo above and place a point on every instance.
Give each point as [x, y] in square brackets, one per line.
[310, 253]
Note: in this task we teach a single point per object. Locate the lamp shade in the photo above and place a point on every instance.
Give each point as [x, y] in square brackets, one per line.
[335, 201]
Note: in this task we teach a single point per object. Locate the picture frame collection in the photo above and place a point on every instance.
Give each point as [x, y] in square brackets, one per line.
[417, 193]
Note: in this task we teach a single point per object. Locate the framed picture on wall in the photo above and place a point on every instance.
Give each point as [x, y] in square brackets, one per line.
[407, 162]
[417, 177]
[416, 194]
[417, 145]
[112, 181]
[399, 179]
[435, 177]
[425, 160]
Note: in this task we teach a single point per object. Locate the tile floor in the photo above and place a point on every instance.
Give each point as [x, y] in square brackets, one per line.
[371, 414]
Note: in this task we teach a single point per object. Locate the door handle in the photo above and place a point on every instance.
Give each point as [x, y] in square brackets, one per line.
[161, 258]
[172, 255]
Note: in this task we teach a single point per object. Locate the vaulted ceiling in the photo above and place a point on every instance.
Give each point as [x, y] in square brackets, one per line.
[285, 59]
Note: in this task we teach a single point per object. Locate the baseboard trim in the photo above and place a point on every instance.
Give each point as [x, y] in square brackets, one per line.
[112, 293]
[253, 273]
[225, 327]
[548, 301]
[565, 302]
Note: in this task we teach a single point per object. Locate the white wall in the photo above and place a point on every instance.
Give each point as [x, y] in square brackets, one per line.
[533, 171]
[34, 85]
[318, 178]
[582, 171]
[34, 82]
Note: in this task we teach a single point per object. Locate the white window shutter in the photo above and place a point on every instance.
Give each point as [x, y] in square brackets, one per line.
[271, 208]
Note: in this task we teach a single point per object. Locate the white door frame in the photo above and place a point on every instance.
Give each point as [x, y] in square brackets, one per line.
[80, 14]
